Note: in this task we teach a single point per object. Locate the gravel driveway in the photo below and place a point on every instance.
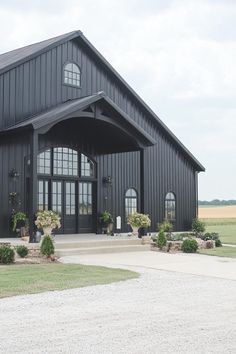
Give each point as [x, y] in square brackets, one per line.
[160, 312]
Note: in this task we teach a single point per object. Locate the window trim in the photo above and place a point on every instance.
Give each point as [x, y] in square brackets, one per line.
[170, 200]
[70, 151]
[45, 181]
[50, 159]
[81, 184]
[63, 74]
[70, 177]
[127, 197]
[94, 176]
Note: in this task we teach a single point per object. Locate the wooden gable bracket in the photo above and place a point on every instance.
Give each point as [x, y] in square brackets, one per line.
[89, 109]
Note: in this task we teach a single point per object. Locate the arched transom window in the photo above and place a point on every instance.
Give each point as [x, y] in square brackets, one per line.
[64, 161]
[130, 201]
[170, 207]
[72, 74]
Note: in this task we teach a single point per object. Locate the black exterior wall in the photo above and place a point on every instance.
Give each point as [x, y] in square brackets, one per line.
[13, 152]
[36, 85]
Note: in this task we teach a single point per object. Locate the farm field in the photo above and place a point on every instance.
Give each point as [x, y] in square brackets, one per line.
[221, 220]
[217, 212]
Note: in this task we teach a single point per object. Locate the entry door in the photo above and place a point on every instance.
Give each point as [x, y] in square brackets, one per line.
[64, 203]
[74, 201]
[86, 207]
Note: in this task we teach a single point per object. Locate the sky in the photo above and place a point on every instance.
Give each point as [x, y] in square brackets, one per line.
[178, 55]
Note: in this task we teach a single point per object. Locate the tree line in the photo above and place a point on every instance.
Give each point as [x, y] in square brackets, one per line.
[217, 202]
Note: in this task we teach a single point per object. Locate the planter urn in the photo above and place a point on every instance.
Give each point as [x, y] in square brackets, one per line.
[135, 230]
[47, 231]
[146, 240]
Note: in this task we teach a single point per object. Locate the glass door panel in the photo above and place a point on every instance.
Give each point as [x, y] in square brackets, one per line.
[70, 207]
[57, 196]
[85, 198]
[70, 198]
[42, 194]
[86, 212]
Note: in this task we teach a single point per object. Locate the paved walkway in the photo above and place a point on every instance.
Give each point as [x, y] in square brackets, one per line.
[220, 267]
[228, 245]
[70, 238]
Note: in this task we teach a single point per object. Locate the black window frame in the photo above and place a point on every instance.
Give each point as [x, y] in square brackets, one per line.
[81, 169]
[128, 198]
[70, 152]
[87, 209]
[45, 194]
[70, 206]
[66, 71]
[168, 208]
[42, 156]
[50, 178]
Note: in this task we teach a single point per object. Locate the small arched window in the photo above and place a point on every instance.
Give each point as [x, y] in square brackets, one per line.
[130, 201]
[170, 207]
[72, 74]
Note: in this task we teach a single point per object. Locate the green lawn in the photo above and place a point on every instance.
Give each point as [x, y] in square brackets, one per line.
[37, 278]
[220, 251]
[225, 227]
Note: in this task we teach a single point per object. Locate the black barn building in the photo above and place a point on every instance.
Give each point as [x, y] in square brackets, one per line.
[76, 138]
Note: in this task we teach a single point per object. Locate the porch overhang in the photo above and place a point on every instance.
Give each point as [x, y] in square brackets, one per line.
[97, 112]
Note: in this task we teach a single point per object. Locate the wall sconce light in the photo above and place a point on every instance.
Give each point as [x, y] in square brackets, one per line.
[107, 180]
[14, 173]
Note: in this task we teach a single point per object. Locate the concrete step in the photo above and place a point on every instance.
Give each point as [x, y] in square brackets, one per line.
[101, 249]
[97, 243]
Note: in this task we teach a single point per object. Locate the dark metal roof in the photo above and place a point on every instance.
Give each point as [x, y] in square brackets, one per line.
[66, 109]
[11, 59]
[15, 57]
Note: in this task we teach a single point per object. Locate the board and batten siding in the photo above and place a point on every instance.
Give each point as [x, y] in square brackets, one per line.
[124, 168]
[13, 150]
[37, 85]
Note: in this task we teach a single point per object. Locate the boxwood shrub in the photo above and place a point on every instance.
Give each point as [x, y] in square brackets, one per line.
[189, 246]
[7, 255]
[218, 243]
[47, 246]
[22, 251]
[161, 240]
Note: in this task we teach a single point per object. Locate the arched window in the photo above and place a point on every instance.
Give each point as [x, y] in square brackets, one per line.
[87, 167]
[62, 172]
[72, 74]
[130, 201]
[170, 208]
[63, 161]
